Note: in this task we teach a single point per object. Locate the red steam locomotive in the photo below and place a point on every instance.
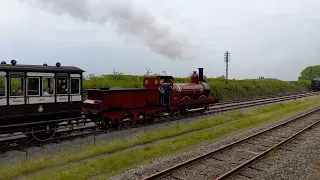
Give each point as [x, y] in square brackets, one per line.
[159, 97]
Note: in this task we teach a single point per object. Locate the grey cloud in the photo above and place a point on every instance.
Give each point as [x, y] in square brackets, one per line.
[266, 38]
[127, 20]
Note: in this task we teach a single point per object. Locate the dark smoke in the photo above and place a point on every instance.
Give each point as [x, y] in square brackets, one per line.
[128, 20]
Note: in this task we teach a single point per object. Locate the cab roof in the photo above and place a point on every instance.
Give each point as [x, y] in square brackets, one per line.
[39, 68]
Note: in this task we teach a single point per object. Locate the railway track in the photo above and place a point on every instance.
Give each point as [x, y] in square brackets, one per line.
[87, 128]
[231, 160]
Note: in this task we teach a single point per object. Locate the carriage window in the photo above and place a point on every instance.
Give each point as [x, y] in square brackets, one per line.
[2, 86]
[75, 86]
[16, 86]
[47, 86]
[33, 86]
[62, 86]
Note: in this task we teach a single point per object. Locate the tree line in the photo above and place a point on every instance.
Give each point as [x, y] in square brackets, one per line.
[310, 72]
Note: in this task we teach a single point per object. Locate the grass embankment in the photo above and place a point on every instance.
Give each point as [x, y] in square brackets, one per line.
[199, 131]
[235, 89]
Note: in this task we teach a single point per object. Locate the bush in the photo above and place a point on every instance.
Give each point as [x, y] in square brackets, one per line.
[235, 89]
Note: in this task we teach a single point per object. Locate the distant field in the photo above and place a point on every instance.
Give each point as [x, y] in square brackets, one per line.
[233, 90]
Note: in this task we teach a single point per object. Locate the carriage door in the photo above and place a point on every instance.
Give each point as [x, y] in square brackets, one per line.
[62, 87]
[17, 88]
[75, 88]
[40, 94]
[3, 89]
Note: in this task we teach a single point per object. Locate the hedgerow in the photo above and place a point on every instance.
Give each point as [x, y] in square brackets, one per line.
[234, 89]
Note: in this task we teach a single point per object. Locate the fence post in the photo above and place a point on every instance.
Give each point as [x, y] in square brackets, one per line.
[234, 108]
[145, 122]
[179, 116]
[94, 135]
[27, 147]
[222, 108]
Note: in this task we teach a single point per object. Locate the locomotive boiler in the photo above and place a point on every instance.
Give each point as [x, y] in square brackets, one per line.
[197, 89]
[191, 95]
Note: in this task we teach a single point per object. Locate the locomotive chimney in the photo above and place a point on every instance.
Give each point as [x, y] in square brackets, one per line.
[200, 74]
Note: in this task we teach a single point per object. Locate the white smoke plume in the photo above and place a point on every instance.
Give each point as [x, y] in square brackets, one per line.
[126, 19]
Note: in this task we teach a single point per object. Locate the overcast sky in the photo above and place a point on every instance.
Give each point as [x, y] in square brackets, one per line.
[270, 38]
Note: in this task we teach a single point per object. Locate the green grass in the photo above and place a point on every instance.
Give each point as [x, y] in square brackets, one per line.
[273, 152]
[200, 131]
[318, 162]
[235, 89]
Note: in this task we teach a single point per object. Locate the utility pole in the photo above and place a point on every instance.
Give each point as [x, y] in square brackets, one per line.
[227, 60]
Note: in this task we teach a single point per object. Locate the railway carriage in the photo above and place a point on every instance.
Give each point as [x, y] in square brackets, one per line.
[315, 84]
[37, 98]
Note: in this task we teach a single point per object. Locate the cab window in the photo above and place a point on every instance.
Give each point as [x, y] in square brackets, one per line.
[47, 86]
[75, 86]
[33, 86]
[16, 86]
[2, 86]
[62, 86]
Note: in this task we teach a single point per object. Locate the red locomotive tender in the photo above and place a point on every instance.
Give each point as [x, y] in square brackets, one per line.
[159, 97]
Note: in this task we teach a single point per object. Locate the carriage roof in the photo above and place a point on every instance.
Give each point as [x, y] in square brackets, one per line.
[39, 68]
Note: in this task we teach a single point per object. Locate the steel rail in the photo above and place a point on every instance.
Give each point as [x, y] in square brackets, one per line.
[169, 171]
[256, 158]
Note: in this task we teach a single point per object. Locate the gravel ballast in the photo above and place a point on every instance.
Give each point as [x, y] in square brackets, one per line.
[296, 160]
[169, 161]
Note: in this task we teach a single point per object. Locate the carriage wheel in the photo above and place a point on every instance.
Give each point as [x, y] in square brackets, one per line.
[101, 124]
[43, 133]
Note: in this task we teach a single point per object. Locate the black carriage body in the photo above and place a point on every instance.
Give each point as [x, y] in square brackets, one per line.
[43, 102]
[315, 84]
